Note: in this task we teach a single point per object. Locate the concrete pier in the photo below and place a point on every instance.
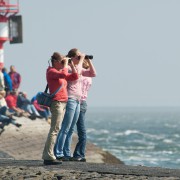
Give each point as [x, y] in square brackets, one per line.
[21, 151]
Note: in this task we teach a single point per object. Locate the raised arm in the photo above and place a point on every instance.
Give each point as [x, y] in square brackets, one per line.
[91, 72]
[55, 74]
[74, 74]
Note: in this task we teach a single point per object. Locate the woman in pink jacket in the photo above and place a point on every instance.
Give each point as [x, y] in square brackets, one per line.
[80, 149]
[63, 144]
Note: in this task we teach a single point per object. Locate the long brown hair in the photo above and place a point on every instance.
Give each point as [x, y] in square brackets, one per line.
[72, 52]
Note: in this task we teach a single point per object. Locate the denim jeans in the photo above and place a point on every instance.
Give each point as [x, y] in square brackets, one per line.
[63, 143]
[44, 114]
[30, 109]
[81, 131]
[3, 110]
[6, 119]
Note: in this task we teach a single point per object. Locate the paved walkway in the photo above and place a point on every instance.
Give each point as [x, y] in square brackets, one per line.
[24, 169]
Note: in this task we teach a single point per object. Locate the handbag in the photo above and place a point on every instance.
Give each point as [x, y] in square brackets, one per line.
[44, 98]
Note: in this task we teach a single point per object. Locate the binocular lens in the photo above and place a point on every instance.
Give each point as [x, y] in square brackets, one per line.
[86, 57]
[79, 57]
[89, 57]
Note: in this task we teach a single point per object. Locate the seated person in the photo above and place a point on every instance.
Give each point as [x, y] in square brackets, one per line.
[6, 120]
[43, 111]
[24, 103]
[5, 116]
[11, 100]
[3, 106]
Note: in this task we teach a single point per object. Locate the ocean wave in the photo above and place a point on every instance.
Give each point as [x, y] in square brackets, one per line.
[142, 159]
[103, 139]
[132, 149]
[150, 138]
[167, 152]
[90, 130]
[97, 132]
[127, 133]
[168, 141]
[146, 135]
[176, 135]
[171, 125]
[143, 142]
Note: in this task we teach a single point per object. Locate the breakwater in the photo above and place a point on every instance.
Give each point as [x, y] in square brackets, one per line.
[20, 158]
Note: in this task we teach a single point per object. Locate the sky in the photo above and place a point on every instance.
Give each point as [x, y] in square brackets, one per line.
[135, 44]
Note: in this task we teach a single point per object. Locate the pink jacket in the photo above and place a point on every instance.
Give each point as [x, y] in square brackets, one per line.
[86, 84]
[75, 87]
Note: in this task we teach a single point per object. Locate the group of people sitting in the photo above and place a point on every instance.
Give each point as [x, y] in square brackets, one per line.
[15, 103]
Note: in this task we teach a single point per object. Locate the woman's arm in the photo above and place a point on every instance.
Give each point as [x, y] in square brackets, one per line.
[55, 74]
[91, 72]
[74, 74]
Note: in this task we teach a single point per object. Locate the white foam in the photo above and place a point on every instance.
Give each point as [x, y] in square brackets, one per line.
[147, 135]
[90, 130]
[168, 141]
[97, 132]
[171, 125]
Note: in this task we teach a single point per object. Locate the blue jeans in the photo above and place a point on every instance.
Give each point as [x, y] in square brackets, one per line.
[30, 109]
[3, 110]
[63, 142]
[46, 113]
[6, 119]
[81, 131]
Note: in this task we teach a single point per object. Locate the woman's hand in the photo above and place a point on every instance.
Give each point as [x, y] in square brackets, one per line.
[65, 61]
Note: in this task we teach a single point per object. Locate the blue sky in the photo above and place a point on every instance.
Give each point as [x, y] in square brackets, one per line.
[135, 46]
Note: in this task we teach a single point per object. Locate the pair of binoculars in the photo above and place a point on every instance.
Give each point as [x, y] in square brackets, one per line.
[88, 56]
[79, 57]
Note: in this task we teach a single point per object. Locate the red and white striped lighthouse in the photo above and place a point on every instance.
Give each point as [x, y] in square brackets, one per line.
[7, 9]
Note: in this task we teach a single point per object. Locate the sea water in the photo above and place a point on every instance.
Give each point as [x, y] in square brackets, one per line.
[137, 136]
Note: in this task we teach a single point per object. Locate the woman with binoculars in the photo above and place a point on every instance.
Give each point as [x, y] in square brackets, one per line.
[75, 93]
